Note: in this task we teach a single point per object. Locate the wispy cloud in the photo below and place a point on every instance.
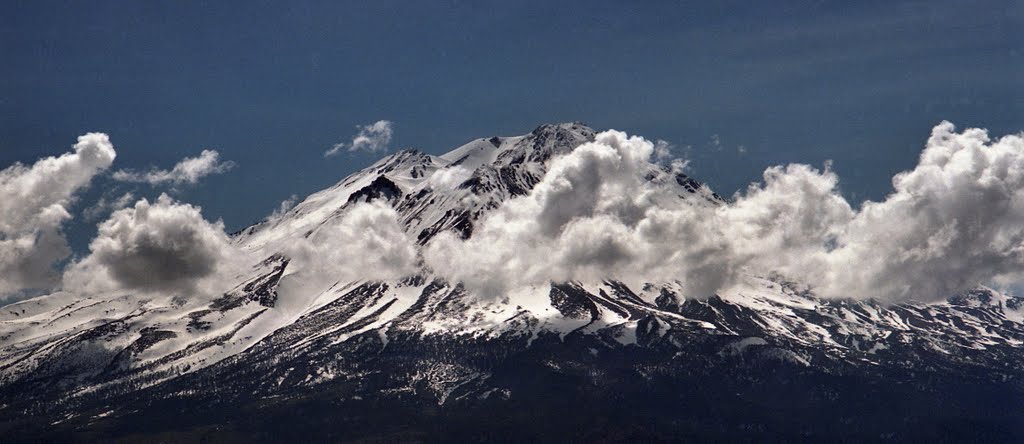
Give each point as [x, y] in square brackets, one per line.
[284, 207]
[370, 138]
[106, 205]
[188, 171]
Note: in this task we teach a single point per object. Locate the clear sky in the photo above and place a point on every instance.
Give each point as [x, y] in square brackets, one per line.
[272, 85]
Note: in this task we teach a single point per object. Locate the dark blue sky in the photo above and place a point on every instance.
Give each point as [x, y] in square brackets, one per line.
[272, 85]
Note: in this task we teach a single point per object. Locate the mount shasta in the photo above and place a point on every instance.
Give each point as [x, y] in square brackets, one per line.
[299, 343]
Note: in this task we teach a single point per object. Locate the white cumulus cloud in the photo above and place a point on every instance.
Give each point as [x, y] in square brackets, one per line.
[954, 221]
[34, 203]
[163, 246]
[593, 216]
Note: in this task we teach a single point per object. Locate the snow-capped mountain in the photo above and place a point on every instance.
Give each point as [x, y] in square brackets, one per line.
[419, 356]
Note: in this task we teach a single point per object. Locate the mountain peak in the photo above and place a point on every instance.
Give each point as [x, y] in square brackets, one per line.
[546, 141]
[575, 126]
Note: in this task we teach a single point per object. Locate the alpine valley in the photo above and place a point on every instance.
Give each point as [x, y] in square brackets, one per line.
[421, 358]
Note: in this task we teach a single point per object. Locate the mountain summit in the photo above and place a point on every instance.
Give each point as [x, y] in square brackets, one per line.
[292, 351]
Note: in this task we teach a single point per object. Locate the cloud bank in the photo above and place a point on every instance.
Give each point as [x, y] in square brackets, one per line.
[34, 204]
[371, 138]
[607, 210]
[955, 221]
[188, 171]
